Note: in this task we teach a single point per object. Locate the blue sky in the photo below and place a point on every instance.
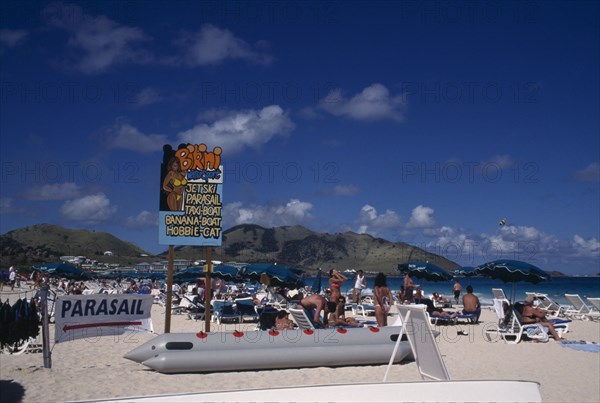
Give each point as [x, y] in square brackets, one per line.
[422, 122]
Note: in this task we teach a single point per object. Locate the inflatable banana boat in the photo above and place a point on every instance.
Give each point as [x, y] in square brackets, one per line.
[270, 349]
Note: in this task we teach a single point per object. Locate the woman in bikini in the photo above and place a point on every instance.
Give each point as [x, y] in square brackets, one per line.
[174, 184]
[383, 299]
[536, 315]
[335, 283]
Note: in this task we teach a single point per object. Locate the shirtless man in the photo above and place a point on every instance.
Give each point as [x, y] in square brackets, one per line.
[471, 303]
[318, 303]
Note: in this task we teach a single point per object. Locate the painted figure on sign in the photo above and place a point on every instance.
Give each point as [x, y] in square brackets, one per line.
[174, 184]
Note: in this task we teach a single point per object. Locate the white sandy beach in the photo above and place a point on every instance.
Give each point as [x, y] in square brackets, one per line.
[94, 369]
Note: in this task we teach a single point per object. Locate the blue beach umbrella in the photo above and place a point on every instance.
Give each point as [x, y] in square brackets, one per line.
[424, 270]
[275, 274]
[316, 288]
[465, 271]
[225, 272]
[63, 269]
[512, 271]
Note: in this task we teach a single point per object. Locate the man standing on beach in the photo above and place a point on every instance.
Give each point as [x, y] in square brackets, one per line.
[360, 284]
[457, 289]
[471, 303]
[12, 277]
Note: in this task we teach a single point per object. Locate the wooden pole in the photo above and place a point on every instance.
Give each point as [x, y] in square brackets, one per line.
[44, 289]
[169, 290]
[207, 288]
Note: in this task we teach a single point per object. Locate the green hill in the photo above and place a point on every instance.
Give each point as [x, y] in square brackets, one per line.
[309, 250]
[46, 242]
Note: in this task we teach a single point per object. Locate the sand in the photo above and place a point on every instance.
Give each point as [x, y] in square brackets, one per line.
[94, 369]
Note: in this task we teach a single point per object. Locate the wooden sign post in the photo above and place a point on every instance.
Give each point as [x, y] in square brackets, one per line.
[169, 290]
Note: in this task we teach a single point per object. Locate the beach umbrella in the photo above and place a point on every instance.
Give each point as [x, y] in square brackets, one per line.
[222, 271]
[63, 269]
[316, 288]
[513, 271]
[465, 271]
[273, 274]
[424, 270]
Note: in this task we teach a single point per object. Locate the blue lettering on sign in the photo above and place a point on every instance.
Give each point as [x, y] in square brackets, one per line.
[204, 175]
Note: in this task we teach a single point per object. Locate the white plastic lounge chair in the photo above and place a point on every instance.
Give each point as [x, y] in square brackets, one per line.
[579, 309]
[362, 309]
[499, 293]
[595, 303]
[301, 318]
[514, 330]
[553, 309]
[224, 311]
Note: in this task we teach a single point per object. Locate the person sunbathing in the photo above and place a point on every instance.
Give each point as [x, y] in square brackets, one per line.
[282, 322]
[536, 315]
[337, 316]
[437, 312]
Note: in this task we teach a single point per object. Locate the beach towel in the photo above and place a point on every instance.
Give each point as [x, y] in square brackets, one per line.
[581, 345]
[538, 332]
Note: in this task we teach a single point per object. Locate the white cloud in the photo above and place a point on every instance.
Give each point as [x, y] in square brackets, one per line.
[142, 220]
[294, 212]
[238, 129]
[586, 247]
[421, 217]
[373, 223]
[7, 207]
[124, 135]
[345, 190]
[373, 103]
[101, 41]
[213, 45]
[10, 38]
[591, 173]
[91, 209]
[147, 96]
[54, 191]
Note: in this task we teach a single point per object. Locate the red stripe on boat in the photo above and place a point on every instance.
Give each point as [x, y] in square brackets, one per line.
[373, 329]
[342, 330]
[273, 333]
[202, 335]
[238, 334]
[308, 331]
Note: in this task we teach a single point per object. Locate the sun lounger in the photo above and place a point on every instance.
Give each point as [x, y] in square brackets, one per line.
[223, 310]
[595, 303]
[302, 319]
[362, 309]
[546, 303]
[247, 308]
[579, 309]
[499, 293]
[512, 329]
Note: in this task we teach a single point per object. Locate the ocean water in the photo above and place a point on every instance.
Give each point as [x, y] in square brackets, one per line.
[482, 287]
